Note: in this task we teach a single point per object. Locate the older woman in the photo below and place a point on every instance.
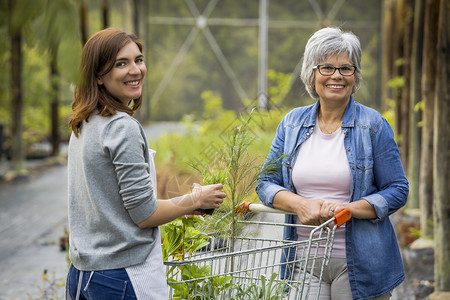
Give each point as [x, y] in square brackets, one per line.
[338, 154]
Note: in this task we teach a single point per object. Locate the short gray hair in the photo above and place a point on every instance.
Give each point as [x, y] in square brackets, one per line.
[324, 43]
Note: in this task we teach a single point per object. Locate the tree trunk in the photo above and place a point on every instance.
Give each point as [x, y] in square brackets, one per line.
[405, 109]
[105, 13]
[397, 71]
[415, 131]
[54, 79]
[17, 150]
[127, 16]
[441, 155]
[140, 9]
[83, 22]
[387, 57]
[428, 91]
[136, 18]
[145, 36]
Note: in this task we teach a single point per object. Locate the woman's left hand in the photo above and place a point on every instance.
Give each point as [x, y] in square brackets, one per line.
[360, 209]
[330, 208]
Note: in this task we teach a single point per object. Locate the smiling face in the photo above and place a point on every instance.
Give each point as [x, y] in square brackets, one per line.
[125, 79]
[334, 87]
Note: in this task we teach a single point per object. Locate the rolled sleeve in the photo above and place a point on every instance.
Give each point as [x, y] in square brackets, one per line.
[267, 191]
[379, 204]
[140, 213]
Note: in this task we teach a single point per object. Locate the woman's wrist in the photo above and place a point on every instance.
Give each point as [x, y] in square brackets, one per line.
[361, 209]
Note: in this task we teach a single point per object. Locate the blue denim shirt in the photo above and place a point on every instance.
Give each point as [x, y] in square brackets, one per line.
[373, 256]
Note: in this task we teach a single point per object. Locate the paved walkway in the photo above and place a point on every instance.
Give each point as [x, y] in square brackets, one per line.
[32, 218]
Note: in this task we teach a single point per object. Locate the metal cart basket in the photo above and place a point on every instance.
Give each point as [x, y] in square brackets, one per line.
[250, 267]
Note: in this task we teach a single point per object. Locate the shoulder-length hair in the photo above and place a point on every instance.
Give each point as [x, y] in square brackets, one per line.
[324, 43]
[98, 58]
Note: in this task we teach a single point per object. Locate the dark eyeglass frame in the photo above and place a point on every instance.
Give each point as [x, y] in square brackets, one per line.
[318, 67]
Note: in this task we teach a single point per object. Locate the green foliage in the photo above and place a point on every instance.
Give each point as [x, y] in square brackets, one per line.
[396, 83]
[190, 281]
[37, 94]
[24, 12]
[234, 162]
[46, 26]
[202, 139]
[277, 82]
[390, 113]
[267, 289]
[198, 283]
[180, 237]
[235, 166]
[419, 106]
[212, 105]
[215, 176]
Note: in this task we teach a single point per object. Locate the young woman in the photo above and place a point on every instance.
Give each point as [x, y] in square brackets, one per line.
[114, 214]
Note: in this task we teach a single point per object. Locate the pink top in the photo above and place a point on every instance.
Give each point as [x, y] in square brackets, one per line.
[322, 171]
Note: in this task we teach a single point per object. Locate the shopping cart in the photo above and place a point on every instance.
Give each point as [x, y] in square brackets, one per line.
[247, 267]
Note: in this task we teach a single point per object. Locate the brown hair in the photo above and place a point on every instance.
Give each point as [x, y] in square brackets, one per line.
[98, 57]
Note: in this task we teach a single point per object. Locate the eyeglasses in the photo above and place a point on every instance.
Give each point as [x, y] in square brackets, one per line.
[328, 70]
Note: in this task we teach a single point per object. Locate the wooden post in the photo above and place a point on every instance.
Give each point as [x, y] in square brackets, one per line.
[441, 156]
[428, 91]
[17, 148]
[415, 131]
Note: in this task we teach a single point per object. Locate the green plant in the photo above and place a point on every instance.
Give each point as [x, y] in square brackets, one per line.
[215, 176]
[238, 168]
[234, 158]
[269, 289]
[235, 167]
[266, 289]
[197, 283]
[180, 237]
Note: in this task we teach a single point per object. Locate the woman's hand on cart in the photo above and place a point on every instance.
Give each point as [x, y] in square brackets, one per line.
[339, 217]
[330, 208]
[310, 212]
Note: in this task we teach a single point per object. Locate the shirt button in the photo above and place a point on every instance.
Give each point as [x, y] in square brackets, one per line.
[353, 168]
[351, 270]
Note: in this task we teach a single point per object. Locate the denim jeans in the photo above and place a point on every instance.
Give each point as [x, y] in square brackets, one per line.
[335, 283]
[107, 284]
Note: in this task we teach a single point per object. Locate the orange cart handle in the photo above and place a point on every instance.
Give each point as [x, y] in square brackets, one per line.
[243, 208]
[342, 217]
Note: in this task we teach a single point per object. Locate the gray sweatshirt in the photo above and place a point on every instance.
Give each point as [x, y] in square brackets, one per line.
[110, 191]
